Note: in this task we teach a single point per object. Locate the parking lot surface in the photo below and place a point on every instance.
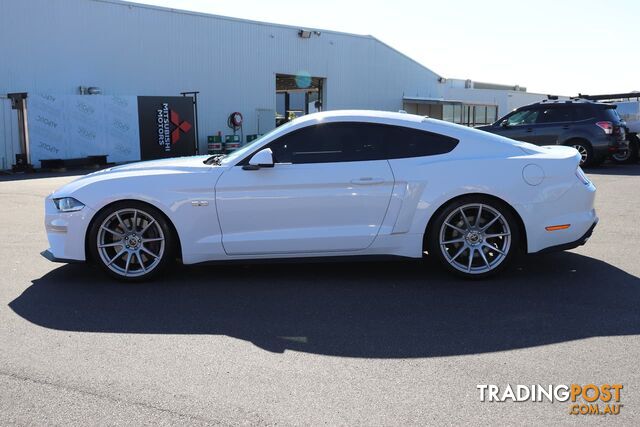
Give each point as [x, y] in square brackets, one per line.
[385, 343]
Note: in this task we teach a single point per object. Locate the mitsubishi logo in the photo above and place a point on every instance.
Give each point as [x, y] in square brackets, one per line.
[183, 126]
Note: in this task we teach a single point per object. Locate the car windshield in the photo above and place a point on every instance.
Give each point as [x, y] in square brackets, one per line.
[240, 153]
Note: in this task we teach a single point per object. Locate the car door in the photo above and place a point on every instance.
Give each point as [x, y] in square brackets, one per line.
[520, 125]
[328, 191]
[551, 122]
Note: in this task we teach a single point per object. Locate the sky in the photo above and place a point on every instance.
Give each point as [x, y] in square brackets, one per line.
[560, 47]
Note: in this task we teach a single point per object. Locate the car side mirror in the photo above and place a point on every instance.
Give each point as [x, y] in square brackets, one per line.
[262, 159]
[504, 123]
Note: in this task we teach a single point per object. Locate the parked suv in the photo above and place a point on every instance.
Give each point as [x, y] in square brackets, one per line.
[593, 128]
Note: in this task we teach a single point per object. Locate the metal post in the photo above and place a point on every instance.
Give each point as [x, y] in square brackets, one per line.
[195, 109]
[19, 103]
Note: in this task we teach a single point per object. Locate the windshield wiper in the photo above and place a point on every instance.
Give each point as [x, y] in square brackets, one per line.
[215, 159]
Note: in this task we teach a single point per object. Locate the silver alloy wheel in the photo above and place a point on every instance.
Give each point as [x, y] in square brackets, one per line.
[130, 242]
[475, 238]
[584, 154]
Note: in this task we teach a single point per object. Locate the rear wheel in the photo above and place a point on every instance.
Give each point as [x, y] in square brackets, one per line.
[474, 237]
[586, 153]
[131, 241]
[630, 155]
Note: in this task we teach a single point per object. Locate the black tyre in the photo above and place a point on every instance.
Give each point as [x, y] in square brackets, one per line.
[131, 241]
[630, 155]
[586, 153]
[474, 237]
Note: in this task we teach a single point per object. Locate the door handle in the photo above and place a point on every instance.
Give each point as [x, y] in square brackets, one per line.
[367, 181]
[565, 127]
[529, 129]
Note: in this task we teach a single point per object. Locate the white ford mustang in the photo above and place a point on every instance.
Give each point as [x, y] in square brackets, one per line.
[339, 183]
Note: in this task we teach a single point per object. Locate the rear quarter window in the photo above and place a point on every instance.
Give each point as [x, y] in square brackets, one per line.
[401, 142]
[582, 112]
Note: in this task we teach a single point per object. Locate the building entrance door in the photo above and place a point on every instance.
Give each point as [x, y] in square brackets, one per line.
[297, 95]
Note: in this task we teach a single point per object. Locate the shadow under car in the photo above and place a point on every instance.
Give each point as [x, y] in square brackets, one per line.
[371, 310]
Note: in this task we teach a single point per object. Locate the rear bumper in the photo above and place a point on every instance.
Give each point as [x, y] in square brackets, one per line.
[573, 206]
[607, 145]
[571, 245]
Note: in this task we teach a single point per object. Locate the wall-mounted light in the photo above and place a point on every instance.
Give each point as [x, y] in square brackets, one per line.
[442, 80]
[91, 90]
[306, 34]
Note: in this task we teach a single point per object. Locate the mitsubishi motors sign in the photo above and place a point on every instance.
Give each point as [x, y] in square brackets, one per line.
[166, 126]
[124, 128]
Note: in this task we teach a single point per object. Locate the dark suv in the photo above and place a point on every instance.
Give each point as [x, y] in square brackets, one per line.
[593, 128]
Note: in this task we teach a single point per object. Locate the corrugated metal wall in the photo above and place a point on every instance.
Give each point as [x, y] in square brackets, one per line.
[9, 136]
[54, 46]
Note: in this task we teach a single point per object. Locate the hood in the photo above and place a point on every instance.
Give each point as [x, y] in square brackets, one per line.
[174, 163]
[171, 166]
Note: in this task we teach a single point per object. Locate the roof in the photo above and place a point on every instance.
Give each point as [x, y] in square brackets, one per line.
[222, 17]
[361, 114]
[261, 23]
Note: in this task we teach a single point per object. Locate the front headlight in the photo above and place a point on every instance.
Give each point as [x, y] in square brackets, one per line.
[68, 204]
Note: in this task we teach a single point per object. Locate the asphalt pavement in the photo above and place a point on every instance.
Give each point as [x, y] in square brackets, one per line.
[384, 343]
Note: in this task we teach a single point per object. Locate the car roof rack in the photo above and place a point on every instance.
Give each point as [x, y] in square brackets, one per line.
[571, 100]
[611, 96]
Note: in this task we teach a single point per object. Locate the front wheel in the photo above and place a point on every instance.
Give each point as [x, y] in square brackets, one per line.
[474, 237]
[131, 241]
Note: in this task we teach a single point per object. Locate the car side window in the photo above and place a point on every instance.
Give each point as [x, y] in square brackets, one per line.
[328, 143]
[356, 141]
[554, 115]
[523, 117]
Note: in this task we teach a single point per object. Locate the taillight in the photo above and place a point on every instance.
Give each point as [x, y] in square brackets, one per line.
[607, 127]
[581, 176]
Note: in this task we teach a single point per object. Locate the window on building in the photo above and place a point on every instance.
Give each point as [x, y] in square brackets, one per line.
[457, 114]
[492, 114]
[447, 112]
[466, 115]
[480, 115]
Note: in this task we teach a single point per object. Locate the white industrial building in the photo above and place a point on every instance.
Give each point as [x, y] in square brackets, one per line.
[53, 50]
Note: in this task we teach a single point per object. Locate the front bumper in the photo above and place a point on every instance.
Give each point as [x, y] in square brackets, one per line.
[51, 257]
[66, 232]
